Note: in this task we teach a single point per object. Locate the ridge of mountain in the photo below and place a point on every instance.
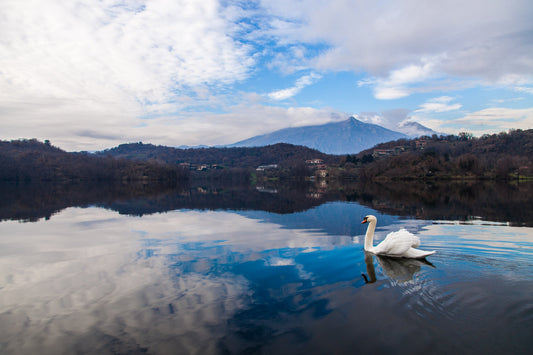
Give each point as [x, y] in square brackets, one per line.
[346, 137]
[414, 129]
[283, 154]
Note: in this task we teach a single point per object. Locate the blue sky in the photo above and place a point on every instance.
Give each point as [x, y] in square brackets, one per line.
[90, 74]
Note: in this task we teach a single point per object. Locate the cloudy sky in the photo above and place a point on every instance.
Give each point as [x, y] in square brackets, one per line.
[91, 74]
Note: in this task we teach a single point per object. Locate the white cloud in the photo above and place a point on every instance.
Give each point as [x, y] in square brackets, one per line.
[438, 107]
[251, 117]
[300, 84]
[410, 74]
[392, 42]
[501, 101]
[242, 122]
[525, 89]
[439, 104]
[505, 118]
[442, 99]
[112, 59]
[390, 119]
[385, 92]
[404, 81]
[284, 93]
[489, 120]
[239, 123]
[371, 117]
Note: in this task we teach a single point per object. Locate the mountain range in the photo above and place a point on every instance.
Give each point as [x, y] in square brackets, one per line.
[346, 137]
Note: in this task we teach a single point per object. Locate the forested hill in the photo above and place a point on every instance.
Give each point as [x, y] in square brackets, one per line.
[498, 156]
[31, 160]
[491, 156]
[285, 155]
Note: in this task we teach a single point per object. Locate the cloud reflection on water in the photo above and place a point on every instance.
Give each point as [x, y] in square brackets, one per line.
[90, 276]
[91, 281]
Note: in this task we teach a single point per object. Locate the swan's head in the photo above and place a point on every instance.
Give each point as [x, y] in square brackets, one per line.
[369, 219]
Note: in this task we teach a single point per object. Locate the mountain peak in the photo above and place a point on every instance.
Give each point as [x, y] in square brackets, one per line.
[345, 137]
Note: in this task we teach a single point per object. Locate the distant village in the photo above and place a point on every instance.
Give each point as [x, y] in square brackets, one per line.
[316, 165]
[419, 143]
[200, 167]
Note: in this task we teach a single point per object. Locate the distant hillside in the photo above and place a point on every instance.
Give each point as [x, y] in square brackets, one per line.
[31, 160]
[285, 155]
[498, 156]
[346, 137]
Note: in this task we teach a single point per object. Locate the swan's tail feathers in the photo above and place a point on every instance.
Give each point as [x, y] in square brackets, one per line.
[417, 253]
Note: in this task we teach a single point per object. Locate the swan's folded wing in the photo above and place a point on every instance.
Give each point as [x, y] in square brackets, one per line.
[417, 253]
[397, 243]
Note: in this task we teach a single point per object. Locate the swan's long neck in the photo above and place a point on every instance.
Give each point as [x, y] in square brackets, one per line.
[369, 237]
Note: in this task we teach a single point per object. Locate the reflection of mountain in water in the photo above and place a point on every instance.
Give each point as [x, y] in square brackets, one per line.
[450, 201]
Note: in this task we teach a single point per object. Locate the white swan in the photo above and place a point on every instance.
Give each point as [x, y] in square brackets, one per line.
[400, 244]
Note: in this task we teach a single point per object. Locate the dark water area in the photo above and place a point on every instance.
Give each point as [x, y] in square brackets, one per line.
[140, 269]
[501, 202]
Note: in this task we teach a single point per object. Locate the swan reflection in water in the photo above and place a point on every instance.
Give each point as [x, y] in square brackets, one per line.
[399, 269]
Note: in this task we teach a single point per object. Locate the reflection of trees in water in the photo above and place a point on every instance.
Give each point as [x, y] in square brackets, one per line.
[31, 202]
[448, 201]
[492, 201]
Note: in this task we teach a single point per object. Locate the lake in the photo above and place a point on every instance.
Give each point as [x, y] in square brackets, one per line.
[264, 270]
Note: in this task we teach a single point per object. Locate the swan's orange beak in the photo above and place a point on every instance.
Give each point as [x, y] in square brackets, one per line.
[364, 221]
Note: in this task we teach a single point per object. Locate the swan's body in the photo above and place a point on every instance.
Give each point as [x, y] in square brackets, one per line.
[400, 244]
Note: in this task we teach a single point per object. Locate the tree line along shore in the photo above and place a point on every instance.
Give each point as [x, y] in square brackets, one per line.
[502, 156]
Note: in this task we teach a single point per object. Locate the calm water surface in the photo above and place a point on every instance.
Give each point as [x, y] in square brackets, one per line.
[200, 281]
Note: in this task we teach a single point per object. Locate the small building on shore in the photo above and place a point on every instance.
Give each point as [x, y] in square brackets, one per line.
[266, 167]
